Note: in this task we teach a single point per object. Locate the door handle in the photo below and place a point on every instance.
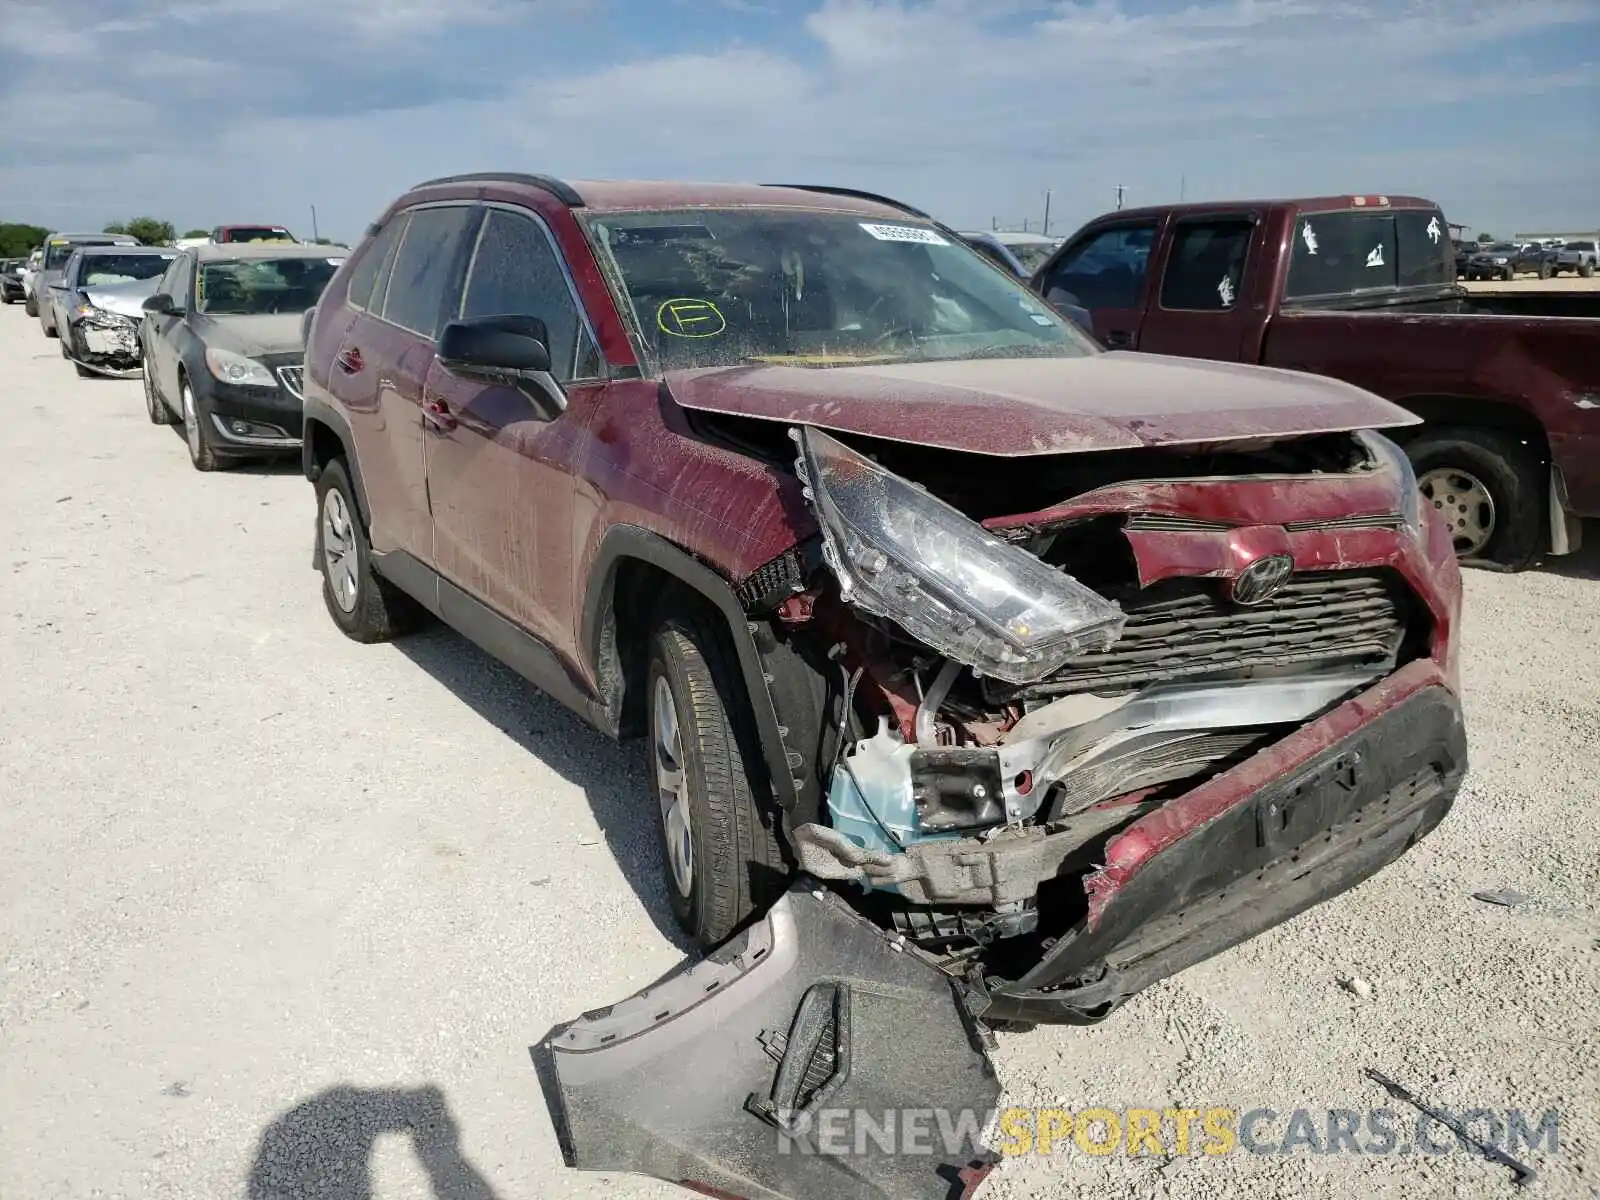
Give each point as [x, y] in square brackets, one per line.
[436, 416]
[349, 360]
[1119, 339]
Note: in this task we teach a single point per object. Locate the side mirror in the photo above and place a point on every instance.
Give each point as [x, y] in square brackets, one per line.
[160, 304]
[505, 348]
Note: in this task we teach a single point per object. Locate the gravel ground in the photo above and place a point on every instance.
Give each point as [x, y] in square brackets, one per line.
[280, 913]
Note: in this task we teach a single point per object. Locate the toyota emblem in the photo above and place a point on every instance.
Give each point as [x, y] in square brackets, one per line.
[1261, 580]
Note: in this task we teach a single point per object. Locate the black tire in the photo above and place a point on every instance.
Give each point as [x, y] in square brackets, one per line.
[1545, 270]
[377, 610]
[738, 865]
[196, 437]
[1587, 270]
[154, 406]
[29, 307]
[1511, 474]
[84, 372]
[1509, 274]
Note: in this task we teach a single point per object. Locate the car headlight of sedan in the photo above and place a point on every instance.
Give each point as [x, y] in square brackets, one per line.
[1386, 451]
[236, 368]
[904, 554]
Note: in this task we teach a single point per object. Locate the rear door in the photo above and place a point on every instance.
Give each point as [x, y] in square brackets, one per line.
[1206, 305]
[1106, 270]
[382, 362]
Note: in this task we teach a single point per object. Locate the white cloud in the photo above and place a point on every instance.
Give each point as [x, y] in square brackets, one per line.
[972, 107]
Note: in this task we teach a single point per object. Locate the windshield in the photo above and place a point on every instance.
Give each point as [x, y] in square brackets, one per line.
[257, 233]
[1579, 246]
[98, 269]
[58, 251]
[712, 288]
[251, 287]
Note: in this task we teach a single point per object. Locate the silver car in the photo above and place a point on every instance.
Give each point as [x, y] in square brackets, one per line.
[1578, 257]
[58, 248]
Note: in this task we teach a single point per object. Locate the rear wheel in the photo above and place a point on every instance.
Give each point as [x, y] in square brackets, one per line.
[1587, 270]
[1486, 486]
[366, 607]
[722, 854]
[1545, 270]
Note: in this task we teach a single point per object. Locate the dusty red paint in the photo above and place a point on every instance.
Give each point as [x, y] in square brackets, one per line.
[1150, 835]
[1022, 407]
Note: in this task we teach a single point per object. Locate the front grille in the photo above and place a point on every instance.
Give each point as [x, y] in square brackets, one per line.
[1187, 629]
[292, 379]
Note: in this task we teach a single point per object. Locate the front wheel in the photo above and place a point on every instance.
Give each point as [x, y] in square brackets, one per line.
[29, 307]
[154, 406]
[201, 454]
[1487, 487]
[84, 372]
[721, 850]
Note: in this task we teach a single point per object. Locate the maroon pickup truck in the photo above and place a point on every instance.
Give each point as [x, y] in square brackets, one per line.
[1363, 288]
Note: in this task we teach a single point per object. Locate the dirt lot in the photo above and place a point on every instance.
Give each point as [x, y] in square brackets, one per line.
[280, 914]
[1532, 283]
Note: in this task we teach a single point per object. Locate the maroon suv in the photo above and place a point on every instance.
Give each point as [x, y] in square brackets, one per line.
[986, 676]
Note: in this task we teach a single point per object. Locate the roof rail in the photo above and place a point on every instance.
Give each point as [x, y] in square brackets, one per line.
[854, 193]
[562, 191]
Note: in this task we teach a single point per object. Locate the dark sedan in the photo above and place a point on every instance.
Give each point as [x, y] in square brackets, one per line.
[223, 346]
[11, 279]
[96, 337]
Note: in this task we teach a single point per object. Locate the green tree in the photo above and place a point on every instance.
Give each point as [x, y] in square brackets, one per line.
[18, 240]
[147, 229]
[1485, 238]
[189, 233]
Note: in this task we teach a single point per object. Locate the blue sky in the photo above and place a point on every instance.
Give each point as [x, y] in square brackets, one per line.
[208, 111]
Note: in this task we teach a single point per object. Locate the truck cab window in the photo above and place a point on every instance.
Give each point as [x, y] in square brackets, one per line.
[1205, 268]
[1105, 270]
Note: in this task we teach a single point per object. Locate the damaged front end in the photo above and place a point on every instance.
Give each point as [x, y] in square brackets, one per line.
[1062, 755]
[104, 342]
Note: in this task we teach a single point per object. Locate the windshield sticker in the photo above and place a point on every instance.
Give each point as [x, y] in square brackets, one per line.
[1308, 235]
[1375, 256]
[1225, 290]
[690, 318]
[335, 262]
[1040, 319]
[903, 233]
[1434, 232]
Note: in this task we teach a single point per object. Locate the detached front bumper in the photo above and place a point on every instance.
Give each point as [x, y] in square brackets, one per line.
[1300, 822]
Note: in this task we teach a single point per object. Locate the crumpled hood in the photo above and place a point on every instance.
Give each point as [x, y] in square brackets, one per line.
[124, 299]
[270, 333]
[1017, 407]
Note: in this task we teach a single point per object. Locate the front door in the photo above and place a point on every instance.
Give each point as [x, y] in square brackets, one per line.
[500, 457]
[1106, 271]
[161, 344]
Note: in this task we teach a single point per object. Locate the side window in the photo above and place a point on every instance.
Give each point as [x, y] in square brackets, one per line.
[1106, 270]
[374, 259]
[515, 270]
[1422, 247]
[1205, 267]
[421, 275]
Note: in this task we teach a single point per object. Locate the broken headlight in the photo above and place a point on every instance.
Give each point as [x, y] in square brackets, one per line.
[903, 554]
[1386, 451]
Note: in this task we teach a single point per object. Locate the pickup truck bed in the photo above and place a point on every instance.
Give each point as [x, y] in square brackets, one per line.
[1363, 289]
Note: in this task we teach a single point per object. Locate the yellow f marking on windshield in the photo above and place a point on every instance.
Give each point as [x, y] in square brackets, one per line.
[690, 318]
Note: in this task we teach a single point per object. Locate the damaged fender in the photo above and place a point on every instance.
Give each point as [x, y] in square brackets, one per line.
[813, 1055]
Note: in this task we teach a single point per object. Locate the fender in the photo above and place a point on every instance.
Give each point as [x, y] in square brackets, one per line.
[633, 542]
[326, 414]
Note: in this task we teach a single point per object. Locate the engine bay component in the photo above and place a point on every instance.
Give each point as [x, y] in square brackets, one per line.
[901, 553]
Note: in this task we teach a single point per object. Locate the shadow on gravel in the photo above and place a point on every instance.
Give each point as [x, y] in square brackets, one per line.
[321, 1149]
[613, 779]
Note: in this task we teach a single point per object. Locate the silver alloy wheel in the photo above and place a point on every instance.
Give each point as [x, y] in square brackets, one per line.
[1466, 504]
[672, 788]
[191, 420]
[339, 550]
